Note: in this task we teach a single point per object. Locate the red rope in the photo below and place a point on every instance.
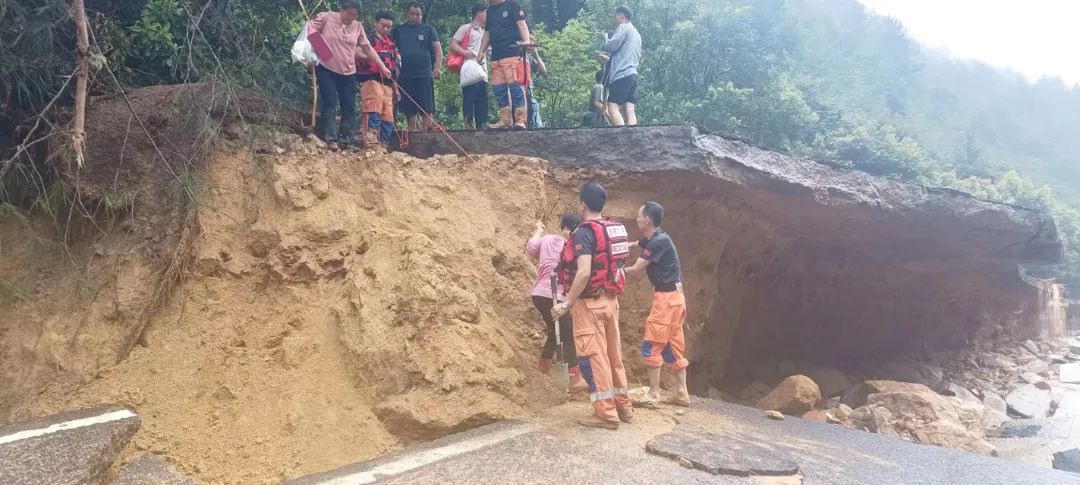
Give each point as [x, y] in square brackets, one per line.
[405, 141]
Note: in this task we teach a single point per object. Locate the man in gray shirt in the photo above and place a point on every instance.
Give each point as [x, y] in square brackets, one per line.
[623, 50]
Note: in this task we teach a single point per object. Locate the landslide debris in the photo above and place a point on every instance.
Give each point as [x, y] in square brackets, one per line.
[335, 307]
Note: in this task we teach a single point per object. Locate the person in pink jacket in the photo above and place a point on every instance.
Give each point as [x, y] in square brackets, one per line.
[544, 250]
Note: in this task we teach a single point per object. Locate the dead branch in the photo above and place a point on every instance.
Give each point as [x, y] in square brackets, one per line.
[78, 139]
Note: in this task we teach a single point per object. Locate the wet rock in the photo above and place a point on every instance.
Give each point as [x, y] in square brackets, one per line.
[1029, 401]
[1068, 460]
[857, 395]
[830, 381]
[1031, 347]
[995, 402]
[777, 415]
[961, 393]
[1070, 373]
[918, 373]
[795, 395]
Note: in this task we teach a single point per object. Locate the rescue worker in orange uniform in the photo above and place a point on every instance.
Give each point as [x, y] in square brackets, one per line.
[591, 272]
[664, 341]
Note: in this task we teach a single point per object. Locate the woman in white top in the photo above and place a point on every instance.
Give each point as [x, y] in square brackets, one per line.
[474, 94]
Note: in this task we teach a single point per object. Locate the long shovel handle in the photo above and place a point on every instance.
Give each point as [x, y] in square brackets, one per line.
[555, 301]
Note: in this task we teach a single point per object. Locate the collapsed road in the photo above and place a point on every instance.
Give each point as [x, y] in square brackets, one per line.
[304, 269]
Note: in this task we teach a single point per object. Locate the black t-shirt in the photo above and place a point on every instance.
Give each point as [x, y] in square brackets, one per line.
[502, 29]
[584, 242]
[663, 269]
[417, 53]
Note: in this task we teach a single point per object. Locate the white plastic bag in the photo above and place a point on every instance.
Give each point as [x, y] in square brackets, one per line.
[302, 51]
[472, 72]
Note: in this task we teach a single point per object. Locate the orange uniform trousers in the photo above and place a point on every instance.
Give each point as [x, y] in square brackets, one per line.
[664, 341]
[596, 338]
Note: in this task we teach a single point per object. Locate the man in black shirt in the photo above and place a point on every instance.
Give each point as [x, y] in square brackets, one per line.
[506, 28]
[664, 342]
[421, 64]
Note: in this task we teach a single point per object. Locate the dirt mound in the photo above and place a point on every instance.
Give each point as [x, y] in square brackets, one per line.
[338, 307]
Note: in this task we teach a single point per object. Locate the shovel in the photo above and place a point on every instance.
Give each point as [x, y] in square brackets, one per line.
[560, 370]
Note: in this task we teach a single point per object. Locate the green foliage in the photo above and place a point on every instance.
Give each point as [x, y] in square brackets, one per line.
[564, 91]
[159, 36]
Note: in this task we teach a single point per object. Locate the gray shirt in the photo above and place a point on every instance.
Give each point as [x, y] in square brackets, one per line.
[625, 49]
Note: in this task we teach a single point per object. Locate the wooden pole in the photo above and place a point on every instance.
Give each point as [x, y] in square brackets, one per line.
[78, 137]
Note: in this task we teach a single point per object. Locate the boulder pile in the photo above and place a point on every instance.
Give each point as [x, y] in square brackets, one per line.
[955, 400]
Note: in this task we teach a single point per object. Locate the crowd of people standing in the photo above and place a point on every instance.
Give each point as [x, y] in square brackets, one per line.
[394, 70]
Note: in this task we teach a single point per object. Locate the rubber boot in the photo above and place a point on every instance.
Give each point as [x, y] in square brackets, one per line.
[521, 117]
[504, 120]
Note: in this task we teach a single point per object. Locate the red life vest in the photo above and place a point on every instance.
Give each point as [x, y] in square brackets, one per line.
[386, 49]
[612, 251]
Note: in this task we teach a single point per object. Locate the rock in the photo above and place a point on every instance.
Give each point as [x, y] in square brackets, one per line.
[1068, 460]
[1074, 347]
[856, 396]
[715, 393]
[1031, 347]
[918, 373]
[960, 392]
[926, 417]
[993, 419]
[1029, 401]
[1068, 406]
[830, 381]
[1038, 367]
[816, 415]
[995, 402]
[224, 393]
[843, 412]
[777, 415]
[795, 395]
[316, 141]
[1070, 373]
[1035, 380]
[1057, 359]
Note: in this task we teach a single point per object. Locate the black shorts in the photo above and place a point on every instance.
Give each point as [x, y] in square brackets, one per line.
[422, 90]
[623, 90]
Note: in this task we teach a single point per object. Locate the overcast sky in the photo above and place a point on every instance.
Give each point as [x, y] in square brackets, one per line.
[1034, 37]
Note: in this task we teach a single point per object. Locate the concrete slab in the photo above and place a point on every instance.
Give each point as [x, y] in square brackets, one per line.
[1068, 460]
[551, 449]
[720, 455]
[1029, 401]
[150, 469]
[69, 448]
